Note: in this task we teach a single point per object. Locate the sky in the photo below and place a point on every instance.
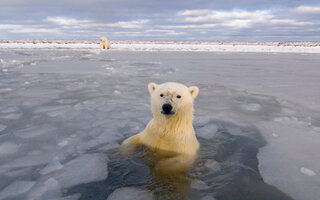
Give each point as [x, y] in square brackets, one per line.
[195, 20]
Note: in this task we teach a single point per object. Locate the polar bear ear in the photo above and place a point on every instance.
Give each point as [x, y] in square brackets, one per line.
[194, 91]
[152, 87]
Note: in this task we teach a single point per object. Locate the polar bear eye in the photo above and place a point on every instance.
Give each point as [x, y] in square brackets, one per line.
[161, 95]
[178, 96]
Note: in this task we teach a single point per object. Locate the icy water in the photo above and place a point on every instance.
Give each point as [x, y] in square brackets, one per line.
[64, 113]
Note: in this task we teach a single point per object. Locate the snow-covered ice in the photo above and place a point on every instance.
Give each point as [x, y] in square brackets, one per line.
[202, 46]
[62, 111]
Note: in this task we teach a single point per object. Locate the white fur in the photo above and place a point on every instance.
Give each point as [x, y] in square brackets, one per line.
[169, 134]
[104, 43]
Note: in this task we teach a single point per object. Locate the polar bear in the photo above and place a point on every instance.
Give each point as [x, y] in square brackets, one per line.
[104, 43]
[170, 134]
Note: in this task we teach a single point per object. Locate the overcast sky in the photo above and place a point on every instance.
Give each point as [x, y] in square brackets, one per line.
[231, 20]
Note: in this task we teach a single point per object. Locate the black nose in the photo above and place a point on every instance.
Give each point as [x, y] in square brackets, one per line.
[166, 108]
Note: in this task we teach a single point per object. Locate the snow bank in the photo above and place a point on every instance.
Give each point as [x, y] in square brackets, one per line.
[273, 47]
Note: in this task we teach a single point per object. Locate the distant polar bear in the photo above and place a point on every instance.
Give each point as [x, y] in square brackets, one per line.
[104, 43]
[170, 134]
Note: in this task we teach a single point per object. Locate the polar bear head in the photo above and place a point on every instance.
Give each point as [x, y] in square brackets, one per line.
[171, 99]
[103, 39]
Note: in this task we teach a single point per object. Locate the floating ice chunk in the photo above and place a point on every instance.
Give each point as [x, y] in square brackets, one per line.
[8, 148]
[130, 193]
[213, 165]
[281, 119]
[116, 92]
[251, 107]
[67, 101]
[9, 110]
[5, 90]
[53, 111]
[2, 127]
[83, 169]
[11, 116]
[89, 102]
[110, 69]
[71, 197]
[208, 197]
[18, 172]
[307, 171]
[291, 121]
[288, 111]
[16, 188]
[51, 167]
[33, 159]
[275, 135]
[57, 113]
[199, 185]
[33, 132]
[109, 146]
[46, 109]
[207, 131]
[316, 128]
[46, 190]
[63, 143]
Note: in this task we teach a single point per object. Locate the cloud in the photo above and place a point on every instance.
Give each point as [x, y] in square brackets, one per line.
[35, 30]
[70, 23]
[66, 21]
[230, 15]
[189, 26]
[290, 22]
[152, 20]
[14, 28]
[9, 26]
[165, 32]
[308, 9]
[193, 12]
[129, 24]
[238, 23]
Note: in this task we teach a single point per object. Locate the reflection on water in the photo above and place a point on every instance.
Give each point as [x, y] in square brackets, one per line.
[226, 168]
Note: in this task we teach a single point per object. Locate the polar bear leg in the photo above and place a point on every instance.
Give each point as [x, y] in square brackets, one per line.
[129, 145]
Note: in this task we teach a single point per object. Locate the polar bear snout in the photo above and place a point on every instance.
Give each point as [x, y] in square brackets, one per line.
[167, 109]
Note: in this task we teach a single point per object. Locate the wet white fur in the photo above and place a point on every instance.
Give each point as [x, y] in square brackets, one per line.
[172, 137]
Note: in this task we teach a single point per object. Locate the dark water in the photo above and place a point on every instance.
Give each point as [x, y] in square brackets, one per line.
[236, 175]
